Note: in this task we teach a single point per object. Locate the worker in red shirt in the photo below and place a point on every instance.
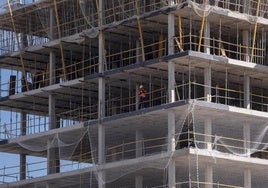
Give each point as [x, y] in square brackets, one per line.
[142, 97]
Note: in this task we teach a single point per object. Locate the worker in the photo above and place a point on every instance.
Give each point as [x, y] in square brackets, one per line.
[142, 97]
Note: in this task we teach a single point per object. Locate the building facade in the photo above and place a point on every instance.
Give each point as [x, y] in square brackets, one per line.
[71, 114]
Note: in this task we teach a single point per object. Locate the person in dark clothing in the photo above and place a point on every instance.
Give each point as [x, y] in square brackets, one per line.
[142, 97]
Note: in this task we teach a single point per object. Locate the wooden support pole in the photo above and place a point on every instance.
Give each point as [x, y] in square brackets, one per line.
[140, 30]
[255, 31]
[19, 47]
[59, 35]
[202, 26]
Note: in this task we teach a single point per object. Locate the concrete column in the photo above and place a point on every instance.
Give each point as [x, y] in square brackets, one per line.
[137, 97]
[138, 182]
[139, 143]
[171, 131]
[101, 144]
[207, 37]
[171, 148]
[247, 178]
[245, 39]
[53, 164]
[171, 174]
[246, 91]
[101, 100]
[23, 156]
[138, 52]
[171, 82]
[246, 135]
[209, 176]
[207, 82]
[208, 132]
[171, 33]
[246, 6]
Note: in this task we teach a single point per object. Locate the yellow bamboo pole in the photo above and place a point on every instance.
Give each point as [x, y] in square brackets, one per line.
[59, 34]
[140, 30]
[19, 47]
[255, 31]
[202, 26]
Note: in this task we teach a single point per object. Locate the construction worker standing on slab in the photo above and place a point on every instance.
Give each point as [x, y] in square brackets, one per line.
[142, 97]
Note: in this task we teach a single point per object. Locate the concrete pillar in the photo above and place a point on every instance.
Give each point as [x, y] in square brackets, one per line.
[247, 178]
[209, 176]
[101, 100]
[207, 82]
[171, 131]
[171, 33]
[171, 82]
[207, 37]
[139, 147]
[137, 97]
[171, 174]
[246, 91]
[245, 39]
[139, 143]
[53, 162]
[138, 52]
[138, 182]
[208, 133]
[23, 156]
[246, 6]
[246, 135]
[171, 148]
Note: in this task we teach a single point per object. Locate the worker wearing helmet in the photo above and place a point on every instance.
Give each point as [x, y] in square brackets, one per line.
[142, 97]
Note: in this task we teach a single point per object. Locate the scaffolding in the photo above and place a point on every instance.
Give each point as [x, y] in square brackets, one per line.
[70, 75]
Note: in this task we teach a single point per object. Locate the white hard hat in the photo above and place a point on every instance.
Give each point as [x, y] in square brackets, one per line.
[141, 86]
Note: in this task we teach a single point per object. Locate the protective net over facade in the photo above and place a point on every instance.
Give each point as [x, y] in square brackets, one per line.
[133, 93]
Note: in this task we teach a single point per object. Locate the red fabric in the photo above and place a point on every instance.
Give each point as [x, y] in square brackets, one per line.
[142, 93]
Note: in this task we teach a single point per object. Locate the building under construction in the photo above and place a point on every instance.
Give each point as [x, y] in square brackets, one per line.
[70, 77]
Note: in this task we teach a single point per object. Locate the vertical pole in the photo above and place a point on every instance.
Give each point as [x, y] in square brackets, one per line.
[207, 37]
[208, 133]
[207, 80]
[247, 91]
[23, 156]
[246, 135]
[139, 143]
[245, 51]
[171, 149]
[53, 162]
[171, 65]
[247, 178]
[171, 81]
[209, 176]
[101, 99]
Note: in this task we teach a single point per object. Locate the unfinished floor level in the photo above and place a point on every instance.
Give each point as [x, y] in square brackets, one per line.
[71, 110]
